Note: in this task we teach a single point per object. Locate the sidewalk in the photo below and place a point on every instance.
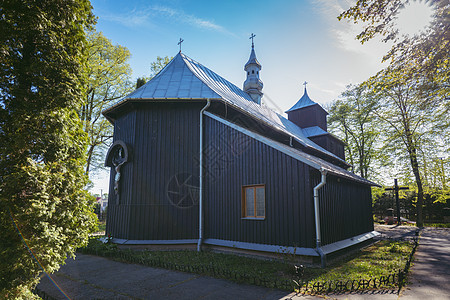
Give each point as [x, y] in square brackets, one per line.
[92, 277]
[430, 274]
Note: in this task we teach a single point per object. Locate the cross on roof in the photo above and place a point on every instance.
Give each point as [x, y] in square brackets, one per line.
[305, 83]
[179, 43]
[251, 37]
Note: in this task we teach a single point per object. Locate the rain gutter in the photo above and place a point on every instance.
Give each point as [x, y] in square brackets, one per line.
[319, 249]
[200, 200]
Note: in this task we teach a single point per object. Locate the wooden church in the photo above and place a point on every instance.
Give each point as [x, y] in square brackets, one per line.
[198, 161]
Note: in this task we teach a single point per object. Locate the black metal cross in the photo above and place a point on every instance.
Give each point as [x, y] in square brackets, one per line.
[305, 83]
[251, 38]
[179, 43]
[396, 188]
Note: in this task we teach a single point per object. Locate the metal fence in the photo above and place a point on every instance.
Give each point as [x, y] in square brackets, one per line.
[387, 282]
[342, 286]
[392, 281]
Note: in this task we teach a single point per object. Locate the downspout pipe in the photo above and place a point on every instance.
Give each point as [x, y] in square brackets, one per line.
[200, 200]
[319, 250]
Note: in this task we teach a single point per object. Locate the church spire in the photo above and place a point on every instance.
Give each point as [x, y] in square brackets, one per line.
[253, 85]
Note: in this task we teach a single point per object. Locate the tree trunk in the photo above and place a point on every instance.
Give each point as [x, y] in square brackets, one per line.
[419, 205]
[415, 168]
[89, 158]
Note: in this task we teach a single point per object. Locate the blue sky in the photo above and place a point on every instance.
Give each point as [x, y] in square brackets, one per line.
[295, 41]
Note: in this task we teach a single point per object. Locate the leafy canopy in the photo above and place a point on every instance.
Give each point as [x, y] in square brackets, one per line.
[108, 80]
[44, 212]
[352, 117]
[424, 55]
[413, 91]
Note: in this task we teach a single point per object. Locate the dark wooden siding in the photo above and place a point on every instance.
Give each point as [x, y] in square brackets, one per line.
[330, 143]
[118, 217]
[345, 208]
[164, 147]
[235, 160]
[309, 116]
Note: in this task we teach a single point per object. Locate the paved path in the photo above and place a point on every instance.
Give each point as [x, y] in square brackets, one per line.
[395, 232]
[91, 277]
[430, 274]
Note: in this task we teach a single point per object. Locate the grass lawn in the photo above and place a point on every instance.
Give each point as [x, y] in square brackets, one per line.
[440, 225]
[380, 259]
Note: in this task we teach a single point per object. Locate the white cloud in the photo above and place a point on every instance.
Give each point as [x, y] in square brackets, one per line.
[132, 19]
[344, 32]
[144, 17]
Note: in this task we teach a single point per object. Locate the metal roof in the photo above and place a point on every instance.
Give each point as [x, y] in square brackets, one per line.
[303, 102]
[183, 78]
[314, 131]
[175, 80]
[252, 60]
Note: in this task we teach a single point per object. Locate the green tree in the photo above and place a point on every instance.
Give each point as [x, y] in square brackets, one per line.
[425, 55]
[409, 131]
[417, 81]
[109, 80]
[140, 82]
[155, 67]
[45, 214]
[352, 118]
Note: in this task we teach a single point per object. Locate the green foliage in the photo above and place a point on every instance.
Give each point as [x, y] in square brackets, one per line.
[435, 209]
[438, 225]
[97, 207]
[414, 90]
[377, 260]
[109, 80]
[140, 82]
[44, 212]
[410, 121]
[352, 119]
[427, 53]
[380, 259]
[102, 226]
[220, 265]
[159, 64]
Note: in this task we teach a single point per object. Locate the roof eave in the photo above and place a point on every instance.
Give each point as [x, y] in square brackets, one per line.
[124, 101]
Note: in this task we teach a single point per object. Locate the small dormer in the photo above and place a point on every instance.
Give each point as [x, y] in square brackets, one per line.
[307, 113]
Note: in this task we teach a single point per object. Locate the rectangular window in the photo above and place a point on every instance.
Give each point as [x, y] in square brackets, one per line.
[254, 201]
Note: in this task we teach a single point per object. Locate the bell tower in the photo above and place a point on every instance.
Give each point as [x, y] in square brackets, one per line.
[306, 113]
[253, 85]
[312, 119]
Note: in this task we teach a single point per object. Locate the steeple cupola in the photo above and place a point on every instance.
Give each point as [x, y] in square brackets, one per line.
[306, 113]
[253, 85]
[312, 119]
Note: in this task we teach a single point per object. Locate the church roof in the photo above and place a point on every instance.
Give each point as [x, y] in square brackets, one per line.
[303, 102]
[252, 60]
[313, 131]
[183, 78]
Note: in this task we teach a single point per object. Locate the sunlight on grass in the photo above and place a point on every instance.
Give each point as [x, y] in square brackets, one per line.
[377, 260]
[380, 259]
